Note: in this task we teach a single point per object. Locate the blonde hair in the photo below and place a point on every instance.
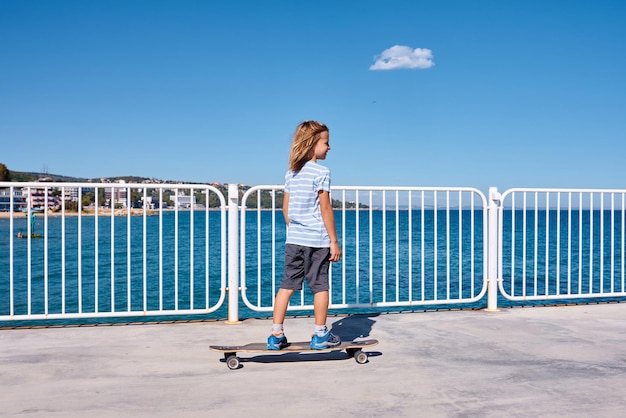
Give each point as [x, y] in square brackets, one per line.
[304, 140]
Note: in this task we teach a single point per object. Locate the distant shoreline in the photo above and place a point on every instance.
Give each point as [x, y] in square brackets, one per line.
[101, 212]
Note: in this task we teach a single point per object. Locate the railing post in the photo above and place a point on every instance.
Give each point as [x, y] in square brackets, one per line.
[233, 254]
[492, 249]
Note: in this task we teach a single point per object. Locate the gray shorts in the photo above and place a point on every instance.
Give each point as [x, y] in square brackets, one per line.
[309, 262]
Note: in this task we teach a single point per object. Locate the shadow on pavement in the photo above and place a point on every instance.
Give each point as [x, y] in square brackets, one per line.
[353, 327]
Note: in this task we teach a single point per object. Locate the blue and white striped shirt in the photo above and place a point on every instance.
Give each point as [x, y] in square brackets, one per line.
[306, 226]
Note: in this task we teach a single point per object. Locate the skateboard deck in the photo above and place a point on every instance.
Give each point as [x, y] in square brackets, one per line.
[352, 348]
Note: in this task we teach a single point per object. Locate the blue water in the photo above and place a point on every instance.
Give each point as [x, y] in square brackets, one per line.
[390, 281]
[167, 286]
[579, 252]
[123, 280]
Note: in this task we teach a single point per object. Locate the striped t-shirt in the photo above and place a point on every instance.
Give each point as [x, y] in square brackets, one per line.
[306, 226]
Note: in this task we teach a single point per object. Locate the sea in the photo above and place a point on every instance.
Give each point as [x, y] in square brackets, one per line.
[110, 264]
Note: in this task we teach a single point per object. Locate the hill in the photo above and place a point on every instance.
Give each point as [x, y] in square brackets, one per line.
[28, 176]
[266, 199]
[24, 176]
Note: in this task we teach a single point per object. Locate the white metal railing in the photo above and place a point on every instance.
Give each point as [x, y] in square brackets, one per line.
[562, 244]
[86, 253]
[402, 246]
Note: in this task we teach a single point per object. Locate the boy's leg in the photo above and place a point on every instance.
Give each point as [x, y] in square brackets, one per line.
[316, 273]
[320, 307]
[322, 337]
[277, 339]
[281, 303]
[292, 280]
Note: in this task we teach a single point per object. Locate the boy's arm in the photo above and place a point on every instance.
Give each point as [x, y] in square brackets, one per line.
[328, 216]
[286, 207]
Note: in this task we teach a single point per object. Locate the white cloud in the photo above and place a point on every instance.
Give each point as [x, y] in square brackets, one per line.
[399, 56]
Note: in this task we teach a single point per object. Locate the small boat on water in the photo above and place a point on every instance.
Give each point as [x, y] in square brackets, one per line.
[33, 235]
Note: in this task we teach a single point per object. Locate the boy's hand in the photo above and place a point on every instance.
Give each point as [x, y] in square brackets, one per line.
[335, 252]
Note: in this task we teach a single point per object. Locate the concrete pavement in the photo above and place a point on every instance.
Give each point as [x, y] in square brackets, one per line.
[519, 362]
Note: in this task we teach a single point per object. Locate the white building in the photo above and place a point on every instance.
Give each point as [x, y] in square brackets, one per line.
[183, 201]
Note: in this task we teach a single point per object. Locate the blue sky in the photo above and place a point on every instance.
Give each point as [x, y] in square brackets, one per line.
[416, 93]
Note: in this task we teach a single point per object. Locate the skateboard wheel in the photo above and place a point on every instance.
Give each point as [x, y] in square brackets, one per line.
[232, 362]
[360, 357]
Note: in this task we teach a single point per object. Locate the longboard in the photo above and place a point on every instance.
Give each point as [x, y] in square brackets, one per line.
[352, 348]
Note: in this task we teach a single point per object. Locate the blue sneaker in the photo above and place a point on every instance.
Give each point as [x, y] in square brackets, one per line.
[325, 341]
[276, 343]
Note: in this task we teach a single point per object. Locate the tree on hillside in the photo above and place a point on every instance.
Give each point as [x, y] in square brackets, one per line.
[4, 172]
[88, 198]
